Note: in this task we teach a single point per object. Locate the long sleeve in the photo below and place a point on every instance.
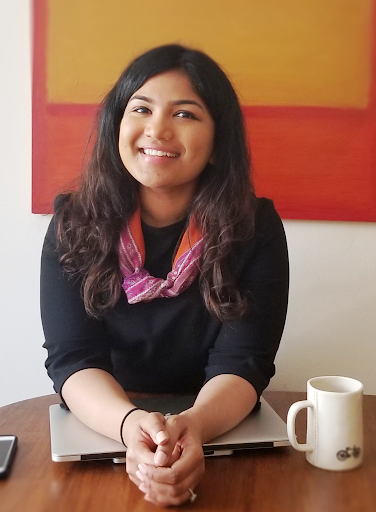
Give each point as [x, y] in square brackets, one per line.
[73, 340]
[247, 347]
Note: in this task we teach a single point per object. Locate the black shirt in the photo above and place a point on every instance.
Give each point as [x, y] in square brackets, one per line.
[171, 344]
[160, 247]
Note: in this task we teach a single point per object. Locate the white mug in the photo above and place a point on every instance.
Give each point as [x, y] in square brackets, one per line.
[334, 423]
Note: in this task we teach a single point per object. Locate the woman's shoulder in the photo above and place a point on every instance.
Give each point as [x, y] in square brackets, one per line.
[268, 231]
[266, 216]
[268, 242]
[60, 201]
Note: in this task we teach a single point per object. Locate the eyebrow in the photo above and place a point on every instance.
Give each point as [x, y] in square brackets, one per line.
[175, 103]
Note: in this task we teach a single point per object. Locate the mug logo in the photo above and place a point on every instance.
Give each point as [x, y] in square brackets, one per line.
[349, 452]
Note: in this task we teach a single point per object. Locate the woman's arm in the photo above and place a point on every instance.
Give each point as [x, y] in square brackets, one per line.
[79, 359]
[223, 402]
[97, 399]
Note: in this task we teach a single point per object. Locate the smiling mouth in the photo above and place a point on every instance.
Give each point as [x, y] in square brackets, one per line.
[155, 152]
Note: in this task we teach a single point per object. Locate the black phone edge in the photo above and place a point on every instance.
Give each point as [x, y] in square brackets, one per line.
[5, 473]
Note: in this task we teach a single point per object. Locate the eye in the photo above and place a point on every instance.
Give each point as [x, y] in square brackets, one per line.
[185, 114]
[141, 110]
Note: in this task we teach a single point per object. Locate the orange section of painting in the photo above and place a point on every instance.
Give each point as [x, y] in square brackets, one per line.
[312, 151]
[290, 52]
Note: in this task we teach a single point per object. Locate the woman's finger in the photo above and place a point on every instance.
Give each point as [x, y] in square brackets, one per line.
[170, 485]
[168, 452]
[144, 424]
[142, 434]
[169, 495]
[189, 458]
[154, 425]
[135, 480]
[177, 465]
[183, 472]
[172, 502]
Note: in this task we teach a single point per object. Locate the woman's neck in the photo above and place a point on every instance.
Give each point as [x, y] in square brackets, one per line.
[159, 209]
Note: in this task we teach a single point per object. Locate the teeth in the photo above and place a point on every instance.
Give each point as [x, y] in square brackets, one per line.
[154, 152]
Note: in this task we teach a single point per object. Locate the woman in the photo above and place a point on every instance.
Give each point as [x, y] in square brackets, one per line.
[163, 273]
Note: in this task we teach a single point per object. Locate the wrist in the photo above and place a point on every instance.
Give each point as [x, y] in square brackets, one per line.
[124, 426]
[192, 417]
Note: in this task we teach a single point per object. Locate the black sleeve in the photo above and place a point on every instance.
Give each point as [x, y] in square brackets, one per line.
[247, 347]
[73, 340]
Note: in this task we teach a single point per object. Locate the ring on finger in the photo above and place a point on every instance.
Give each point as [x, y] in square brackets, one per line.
[193, 495]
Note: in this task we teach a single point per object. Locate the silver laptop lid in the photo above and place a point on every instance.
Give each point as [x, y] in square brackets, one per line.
[71, 440]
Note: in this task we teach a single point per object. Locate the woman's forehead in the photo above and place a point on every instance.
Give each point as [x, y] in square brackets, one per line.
[174, 81]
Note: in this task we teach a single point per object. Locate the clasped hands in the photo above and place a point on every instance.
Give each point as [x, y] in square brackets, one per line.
[164, 456]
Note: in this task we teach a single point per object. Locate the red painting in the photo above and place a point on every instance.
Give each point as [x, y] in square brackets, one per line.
[314, 155]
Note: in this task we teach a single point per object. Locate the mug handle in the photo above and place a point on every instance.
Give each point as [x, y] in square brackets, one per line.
[293, 411]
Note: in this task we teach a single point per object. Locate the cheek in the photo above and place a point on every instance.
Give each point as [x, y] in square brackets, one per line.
[122, 144]
[128, 133]
[203, 147]
[124, 148]
[123, 137]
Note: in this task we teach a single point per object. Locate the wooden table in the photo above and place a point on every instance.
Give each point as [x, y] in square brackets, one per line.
[278, 480]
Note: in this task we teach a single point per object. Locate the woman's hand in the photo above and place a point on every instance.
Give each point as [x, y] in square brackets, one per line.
[177, 467]
[165, 457]
[143, 433]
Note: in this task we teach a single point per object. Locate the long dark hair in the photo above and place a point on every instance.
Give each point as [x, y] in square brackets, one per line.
[89, 223]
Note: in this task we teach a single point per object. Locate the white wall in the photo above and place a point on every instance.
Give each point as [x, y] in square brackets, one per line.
[21, 356]
[331, 321]
[331, 326]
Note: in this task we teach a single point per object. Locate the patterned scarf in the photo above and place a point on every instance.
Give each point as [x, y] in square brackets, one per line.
[138, 284]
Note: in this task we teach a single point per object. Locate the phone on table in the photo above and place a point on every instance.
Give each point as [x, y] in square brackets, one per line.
[8, 445]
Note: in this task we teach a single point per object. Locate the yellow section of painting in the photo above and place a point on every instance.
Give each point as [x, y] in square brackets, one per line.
[277, 52]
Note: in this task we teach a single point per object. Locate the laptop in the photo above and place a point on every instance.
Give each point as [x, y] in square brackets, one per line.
[71, 440]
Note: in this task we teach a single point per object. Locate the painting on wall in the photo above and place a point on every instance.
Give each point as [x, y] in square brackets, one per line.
[304, 71]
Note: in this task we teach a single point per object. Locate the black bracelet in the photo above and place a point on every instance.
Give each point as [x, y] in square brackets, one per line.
[122, 423]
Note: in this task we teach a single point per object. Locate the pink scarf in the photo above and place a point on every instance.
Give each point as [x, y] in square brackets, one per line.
[138, 284]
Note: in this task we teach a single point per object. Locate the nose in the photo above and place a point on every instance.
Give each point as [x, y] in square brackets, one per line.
[159, 127]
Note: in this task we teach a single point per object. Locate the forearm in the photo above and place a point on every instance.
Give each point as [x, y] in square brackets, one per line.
[223, 402]
[98, 400]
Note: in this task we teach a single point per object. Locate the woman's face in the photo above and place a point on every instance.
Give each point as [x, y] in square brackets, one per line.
[166, 134]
